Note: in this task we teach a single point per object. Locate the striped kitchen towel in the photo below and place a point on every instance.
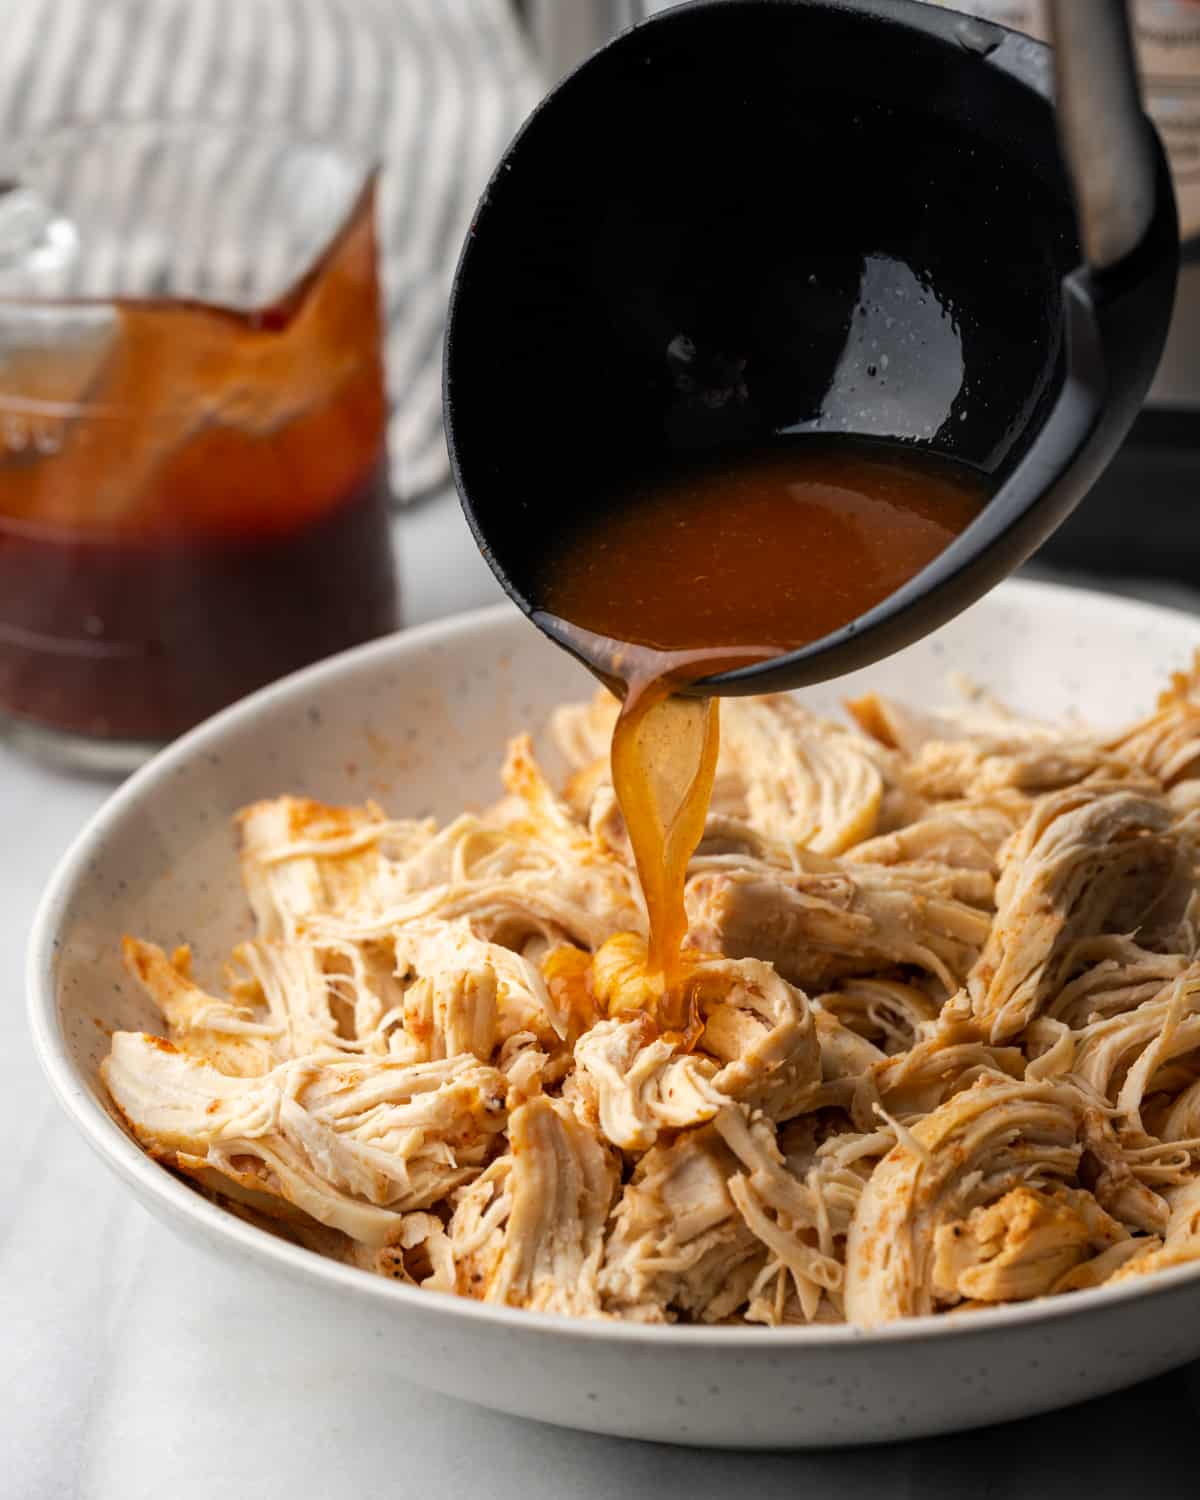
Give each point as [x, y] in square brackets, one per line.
[433, 88]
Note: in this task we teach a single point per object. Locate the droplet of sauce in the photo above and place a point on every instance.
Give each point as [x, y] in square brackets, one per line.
[979, 37]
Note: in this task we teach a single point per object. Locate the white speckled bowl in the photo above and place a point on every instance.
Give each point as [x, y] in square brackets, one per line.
[420, 722]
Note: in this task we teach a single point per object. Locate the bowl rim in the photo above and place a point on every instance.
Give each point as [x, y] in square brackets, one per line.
[218, 1226]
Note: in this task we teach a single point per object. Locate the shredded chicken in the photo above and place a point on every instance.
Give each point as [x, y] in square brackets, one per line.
[545, 1248]
[969, 1152]
[1092, 860]
[1020, 1246]
[945, 966]
[817, 925]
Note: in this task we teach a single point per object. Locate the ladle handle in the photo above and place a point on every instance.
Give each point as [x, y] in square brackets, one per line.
[1103, 134]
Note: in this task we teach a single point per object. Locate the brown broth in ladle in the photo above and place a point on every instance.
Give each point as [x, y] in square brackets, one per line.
[714, 569]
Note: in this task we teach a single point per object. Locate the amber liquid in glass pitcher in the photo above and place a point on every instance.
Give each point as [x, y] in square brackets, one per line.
[197, 504]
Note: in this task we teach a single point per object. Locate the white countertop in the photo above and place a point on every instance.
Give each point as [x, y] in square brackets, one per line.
[136, 1367]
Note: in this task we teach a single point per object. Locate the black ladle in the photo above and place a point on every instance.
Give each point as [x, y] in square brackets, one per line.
[747, 218]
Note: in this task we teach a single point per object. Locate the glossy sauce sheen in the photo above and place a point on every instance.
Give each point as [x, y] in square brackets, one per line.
[734, 564]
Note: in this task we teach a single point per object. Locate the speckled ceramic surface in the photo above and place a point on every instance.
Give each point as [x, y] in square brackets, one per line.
[419, 722]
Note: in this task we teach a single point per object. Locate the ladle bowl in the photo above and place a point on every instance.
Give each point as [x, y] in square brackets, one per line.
[751, 219]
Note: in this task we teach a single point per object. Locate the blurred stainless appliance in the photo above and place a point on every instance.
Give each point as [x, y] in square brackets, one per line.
[1141, 519]
[566, 31]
